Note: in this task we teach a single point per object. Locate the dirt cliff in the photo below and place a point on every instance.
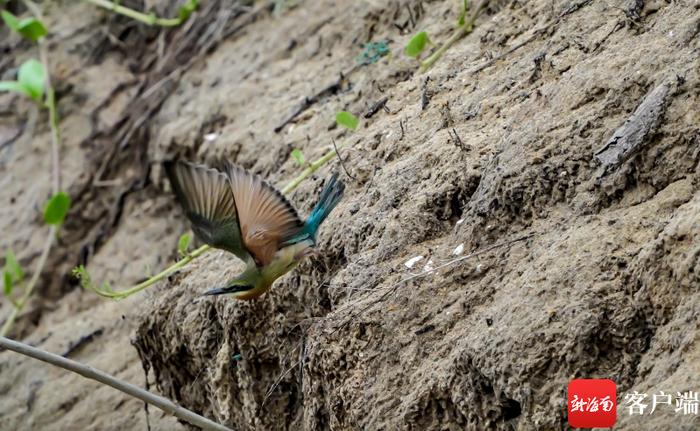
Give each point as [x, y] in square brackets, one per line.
[575, 265]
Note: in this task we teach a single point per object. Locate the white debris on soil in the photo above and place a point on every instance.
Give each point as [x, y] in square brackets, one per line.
[412, 261]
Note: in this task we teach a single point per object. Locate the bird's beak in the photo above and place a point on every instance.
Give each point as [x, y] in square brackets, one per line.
[218, 291]
[228, 289]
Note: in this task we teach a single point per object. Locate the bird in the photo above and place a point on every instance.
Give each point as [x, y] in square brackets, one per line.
[236, 211]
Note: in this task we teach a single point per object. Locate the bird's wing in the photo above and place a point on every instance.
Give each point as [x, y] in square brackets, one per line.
[267, 219]
[209, 203]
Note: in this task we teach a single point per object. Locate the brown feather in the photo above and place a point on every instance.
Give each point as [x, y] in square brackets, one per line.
[266, 218]
[208, 201]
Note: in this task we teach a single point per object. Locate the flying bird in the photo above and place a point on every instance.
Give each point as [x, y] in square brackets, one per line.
[237, 211]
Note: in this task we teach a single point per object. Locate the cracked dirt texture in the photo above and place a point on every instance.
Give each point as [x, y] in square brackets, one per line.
[605, 285]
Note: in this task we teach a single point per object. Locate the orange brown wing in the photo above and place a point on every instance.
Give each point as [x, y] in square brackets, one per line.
[208, 201]
[266, 218]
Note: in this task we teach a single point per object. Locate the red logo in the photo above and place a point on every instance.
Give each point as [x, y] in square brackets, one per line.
[592, 403]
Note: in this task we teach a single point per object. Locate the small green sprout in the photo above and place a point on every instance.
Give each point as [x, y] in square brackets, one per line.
[463, 14]
[347, 120]
[30, 28]
[56, 208]
[30, 81]
[7, 278]
[183, 13]
[12, 266]
[281, 6]
[186, 9]
[12, 273]
[298, 157]
[465, 25]
[83, 276]
[183, 243]
[417, 44]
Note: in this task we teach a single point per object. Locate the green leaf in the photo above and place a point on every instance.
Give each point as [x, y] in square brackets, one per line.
[14, 86]
[8, 283]
[183, 243]
[31, 75]
[186, 10]
[417, 44]
[30, 80]
[13, 267]
[346, 119]
[10, 20]
[32, 29]
[298, 156]
[56, 208]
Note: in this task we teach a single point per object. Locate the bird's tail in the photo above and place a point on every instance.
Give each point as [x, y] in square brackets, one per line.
[330, 196]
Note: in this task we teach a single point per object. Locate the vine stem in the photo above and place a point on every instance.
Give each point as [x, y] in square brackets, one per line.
[313, 167]
[108, 293]
[53, 121]
[148, 19]
[50, 103]
[121, 294]
[91, 373]
[19, 305]
[458, 34]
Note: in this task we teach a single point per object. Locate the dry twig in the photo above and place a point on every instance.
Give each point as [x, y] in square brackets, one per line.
[86, 371]
[629, 138]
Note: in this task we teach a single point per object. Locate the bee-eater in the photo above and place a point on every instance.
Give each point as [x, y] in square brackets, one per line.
[236, 211]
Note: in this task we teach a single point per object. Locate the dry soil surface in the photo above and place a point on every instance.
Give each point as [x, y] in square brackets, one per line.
[580, 269]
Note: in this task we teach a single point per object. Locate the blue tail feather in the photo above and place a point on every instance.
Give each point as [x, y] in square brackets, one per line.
[330, 196]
